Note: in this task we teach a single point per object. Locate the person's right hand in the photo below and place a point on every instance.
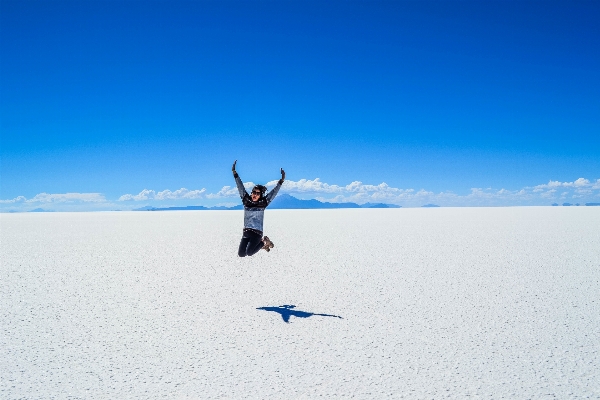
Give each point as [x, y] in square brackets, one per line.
[233, 168]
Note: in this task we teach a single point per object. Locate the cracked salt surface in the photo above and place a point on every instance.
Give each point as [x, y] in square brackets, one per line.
[434, 303]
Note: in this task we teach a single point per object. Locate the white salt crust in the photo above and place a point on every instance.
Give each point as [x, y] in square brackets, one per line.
[446, 302]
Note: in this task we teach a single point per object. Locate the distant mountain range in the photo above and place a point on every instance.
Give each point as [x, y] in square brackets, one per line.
[283, 201]
[577, 204]
[287, 202]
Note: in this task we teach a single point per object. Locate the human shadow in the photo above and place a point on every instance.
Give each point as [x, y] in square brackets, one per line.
[286, 312]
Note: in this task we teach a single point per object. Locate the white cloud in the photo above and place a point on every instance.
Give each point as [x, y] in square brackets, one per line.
[356, 191]
[58, 202]
[180, 194]
[143, 195]
[316, 186]
[60, 198]
[579, 183]
[361, 193]
[226, 191]
[18, 199]
[306, 186]
[548, 194]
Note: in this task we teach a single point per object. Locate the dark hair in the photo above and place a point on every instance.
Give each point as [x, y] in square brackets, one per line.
[261, 188]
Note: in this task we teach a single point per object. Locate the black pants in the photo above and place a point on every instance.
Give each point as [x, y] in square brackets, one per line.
[250, 244]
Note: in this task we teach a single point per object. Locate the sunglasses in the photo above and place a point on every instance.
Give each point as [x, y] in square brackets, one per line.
[256, 193]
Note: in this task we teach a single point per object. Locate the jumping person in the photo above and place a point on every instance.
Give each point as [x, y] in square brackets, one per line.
[254, 212]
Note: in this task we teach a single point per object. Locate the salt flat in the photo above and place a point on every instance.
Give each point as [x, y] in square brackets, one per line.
[434, 303]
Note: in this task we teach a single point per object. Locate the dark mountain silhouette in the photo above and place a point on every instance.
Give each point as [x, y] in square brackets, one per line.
[379, 205]
[150, 208]
[282, 201]
[285, 201]
[145, 208]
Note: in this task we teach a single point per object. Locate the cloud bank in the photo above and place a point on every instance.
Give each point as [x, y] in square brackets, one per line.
[180, 194]
[578, 191]
[57, 202]
[59, 198]
[581, 190]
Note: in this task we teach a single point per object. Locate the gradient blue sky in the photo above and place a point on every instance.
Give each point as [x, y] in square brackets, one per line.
[110, 98]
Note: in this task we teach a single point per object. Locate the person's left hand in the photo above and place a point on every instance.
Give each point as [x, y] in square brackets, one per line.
[282, 174]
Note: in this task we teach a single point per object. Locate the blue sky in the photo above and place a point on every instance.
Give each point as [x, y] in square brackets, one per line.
[107, 104]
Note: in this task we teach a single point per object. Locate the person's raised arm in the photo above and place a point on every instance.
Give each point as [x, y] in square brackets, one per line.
[238, 181]
[273, 192]
[282, 177]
